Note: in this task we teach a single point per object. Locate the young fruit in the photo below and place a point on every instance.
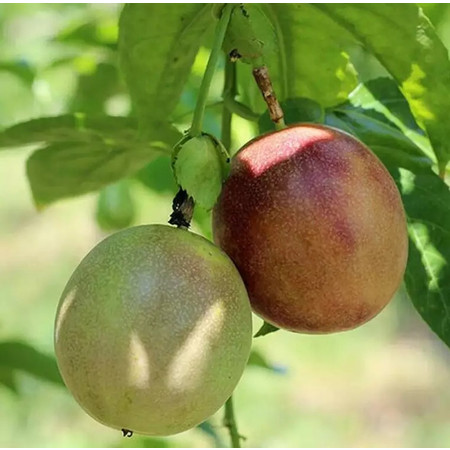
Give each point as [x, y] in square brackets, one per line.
[153, 330]
[316, 227]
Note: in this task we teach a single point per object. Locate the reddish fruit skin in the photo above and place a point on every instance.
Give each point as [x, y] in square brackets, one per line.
[316, 227]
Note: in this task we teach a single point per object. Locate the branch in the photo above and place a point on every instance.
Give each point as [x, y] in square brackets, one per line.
[262, 78]
[230, 423]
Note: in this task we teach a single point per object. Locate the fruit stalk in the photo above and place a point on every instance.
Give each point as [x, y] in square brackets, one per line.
[197, 120]
[229, 89]
[262, 78]
[230, 423]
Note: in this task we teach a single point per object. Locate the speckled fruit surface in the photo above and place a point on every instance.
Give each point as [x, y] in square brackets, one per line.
[153, 330]
[315, 224]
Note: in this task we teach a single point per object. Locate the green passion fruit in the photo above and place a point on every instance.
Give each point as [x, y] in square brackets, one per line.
[153, 330]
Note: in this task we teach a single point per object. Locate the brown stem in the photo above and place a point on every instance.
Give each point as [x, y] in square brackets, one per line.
[262, 78]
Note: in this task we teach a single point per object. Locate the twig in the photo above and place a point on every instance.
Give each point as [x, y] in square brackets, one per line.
[262, 78]
[230, 423]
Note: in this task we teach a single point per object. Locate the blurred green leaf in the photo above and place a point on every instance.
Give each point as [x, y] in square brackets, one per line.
[94, 89]
[295, 110]
[8, 379]
[157, 47]
[115, 207]
[266, 328]
[211, 431]
[200, 165]
[144, 442]
[404, 41]
[158, 175]
[436, 12]
[427, 203]
[21, 356]
[258, 360]
[21, 69]
[94, 33]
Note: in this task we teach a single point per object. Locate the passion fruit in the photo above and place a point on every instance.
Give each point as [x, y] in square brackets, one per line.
[153, 330]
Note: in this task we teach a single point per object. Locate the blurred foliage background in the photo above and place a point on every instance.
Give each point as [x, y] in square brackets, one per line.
[386, 384]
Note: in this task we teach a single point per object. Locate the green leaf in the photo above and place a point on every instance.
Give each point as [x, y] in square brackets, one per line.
[258, 360]
[68, 169]
[266, 328]
[249, 34]
[427, 203]
[384, 96]
[158, 175]
[8, 379]
[307, 58]
[84, 153]
[21, 356]
[404, 41]
[200, 166]
[95, 88]
[295, 110]
[83, 128]
[115, 207]
[157, 47]
[92, 34]
[21, 69]
[436, 12]
[386, 141]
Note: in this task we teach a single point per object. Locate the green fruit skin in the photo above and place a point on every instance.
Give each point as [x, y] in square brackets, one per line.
[153, 330]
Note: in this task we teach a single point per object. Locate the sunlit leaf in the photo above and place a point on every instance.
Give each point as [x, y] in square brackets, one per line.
[427, 202]
[386, 141]
[404, 41]
[302, 48]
